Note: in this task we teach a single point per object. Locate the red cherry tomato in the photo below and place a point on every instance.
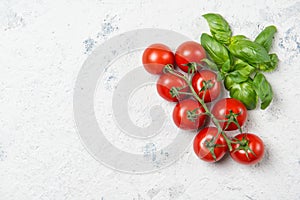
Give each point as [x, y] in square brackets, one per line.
[156, 57]
[189, 115]
[168, 84]
[207, 149]
[225, 109]
[189, 52]
[251, 150]
[206, 79]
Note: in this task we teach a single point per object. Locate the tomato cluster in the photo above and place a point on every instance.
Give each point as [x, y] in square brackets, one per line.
[192, 87]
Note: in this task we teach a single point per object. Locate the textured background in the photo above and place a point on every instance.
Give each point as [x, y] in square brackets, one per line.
[43, 45]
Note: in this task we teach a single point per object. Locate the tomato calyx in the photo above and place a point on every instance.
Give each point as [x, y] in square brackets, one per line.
[207, 85]
[211, 145]
[174, 91]
[244, 146]
[220, 131]
[232, 118]
[192, 114]
[192, 67]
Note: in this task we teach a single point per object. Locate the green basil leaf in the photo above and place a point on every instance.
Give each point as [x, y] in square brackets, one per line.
[228, 82]
[216, 51]
[270, 66]
[245, 93]
[263, 67]
[219, 27]
[263, 89]
[241, 71]
[226, 67]
[210, 64]
[237, 38]
[274, 60]
[249, 51]
[265, 37]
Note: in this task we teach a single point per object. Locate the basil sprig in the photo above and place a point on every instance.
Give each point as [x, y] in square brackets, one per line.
[240, 61]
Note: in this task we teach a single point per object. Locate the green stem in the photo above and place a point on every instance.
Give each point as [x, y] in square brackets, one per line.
[183, 87]
[186, 93]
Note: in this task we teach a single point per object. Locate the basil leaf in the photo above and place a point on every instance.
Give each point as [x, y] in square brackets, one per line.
[249, 51]
[228, 82]
[274, 60]
[242, 71]
[236, 38]
[265, 37]
[210, 64]
[216, 51]
[263, 89]
[226, 67]
[219, 27]
[245, 93]
[270, 66]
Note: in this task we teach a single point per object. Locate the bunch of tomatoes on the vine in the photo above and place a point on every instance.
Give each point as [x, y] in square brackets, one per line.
[184, 79]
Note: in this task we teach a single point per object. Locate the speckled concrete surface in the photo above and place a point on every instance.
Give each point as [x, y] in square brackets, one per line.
[43, 45]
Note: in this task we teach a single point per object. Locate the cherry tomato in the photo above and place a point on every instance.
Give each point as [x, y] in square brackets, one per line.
[189, 52]
[227, 109]
[156, 57]
[168, 85]
[189, 115]
[207, 149]
[206, 79]
[251, 150]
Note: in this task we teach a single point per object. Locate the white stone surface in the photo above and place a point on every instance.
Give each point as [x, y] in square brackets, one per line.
[43, 45]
